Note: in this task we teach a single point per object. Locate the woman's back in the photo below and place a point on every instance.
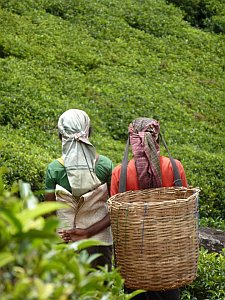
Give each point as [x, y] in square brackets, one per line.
[56, 173]
[132, 179]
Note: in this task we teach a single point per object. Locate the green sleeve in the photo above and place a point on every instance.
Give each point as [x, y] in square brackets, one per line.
[110, 174]
[50, 182]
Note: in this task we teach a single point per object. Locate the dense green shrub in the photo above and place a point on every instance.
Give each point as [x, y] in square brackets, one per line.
[216, 24]
[207, 14]
[23, 161]
[32, 255]
[21, 7]
[118, 61]
[35, 264]
[209, 283]
[207, 172]
[214, 222]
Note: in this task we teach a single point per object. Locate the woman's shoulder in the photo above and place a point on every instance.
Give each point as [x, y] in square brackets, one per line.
[165, 161]
[55, 164]
[104, 163]
[104, 159]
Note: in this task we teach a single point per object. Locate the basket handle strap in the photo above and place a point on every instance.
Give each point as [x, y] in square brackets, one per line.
[123, 172]
[177, 179]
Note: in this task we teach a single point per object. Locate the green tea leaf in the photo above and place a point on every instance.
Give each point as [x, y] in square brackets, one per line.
[40, 210]
[5, 258]
[10, 218]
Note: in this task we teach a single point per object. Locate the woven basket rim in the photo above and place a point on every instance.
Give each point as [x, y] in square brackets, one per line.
[175, 188]
[113, 199]
[152, 203]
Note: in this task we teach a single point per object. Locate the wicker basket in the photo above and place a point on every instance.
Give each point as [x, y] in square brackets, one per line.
[155, 235]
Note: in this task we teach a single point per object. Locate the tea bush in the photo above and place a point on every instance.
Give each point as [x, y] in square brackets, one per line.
[32, 255]
[117, 61]
[35, 264]
[209, 283]
[207, 14]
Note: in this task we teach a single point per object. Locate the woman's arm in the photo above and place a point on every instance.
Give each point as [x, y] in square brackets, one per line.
[182, 174]
[114, 188]
[50, 197]
[73, 235]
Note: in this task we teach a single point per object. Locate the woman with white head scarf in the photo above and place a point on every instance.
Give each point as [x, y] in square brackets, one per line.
[80, 178]
[77, 152]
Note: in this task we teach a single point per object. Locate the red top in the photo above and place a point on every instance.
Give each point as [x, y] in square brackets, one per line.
[132, 180]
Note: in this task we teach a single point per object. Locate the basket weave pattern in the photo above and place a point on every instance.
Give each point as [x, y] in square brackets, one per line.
[155, 235]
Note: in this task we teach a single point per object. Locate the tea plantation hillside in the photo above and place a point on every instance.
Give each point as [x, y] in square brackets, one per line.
[117, 60]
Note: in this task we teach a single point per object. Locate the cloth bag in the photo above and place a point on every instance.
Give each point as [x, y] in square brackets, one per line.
[84, 211]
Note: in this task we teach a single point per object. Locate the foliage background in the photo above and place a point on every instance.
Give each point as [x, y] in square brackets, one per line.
[118, 60]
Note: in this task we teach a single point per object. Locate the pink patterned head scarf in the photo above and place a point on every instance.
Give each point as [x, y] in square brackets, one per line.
[144, 136]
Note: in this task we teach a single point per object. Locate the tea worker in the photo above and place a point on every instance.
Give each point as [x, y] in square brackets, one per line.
[147, 169]
[81, 178]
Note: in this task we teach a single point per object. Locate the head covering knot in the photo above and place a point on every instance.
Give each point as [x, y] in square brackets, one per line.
[78, 153]
[144, 135]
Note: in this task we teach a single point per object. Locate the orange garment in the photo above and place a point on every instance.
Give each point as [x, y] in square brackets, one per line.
[132, 180]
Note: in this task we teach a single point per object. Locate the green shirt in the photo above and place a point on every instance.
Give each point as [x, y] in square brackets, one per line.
[56, 173]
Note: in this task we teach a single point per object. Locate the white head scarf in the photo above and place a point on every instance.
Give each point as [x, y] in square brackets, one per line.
[78, 153]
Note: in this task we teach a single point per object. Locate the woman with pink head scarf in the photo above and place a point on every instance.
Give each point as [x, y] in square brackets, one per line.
[147, 169]
[144, 137]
